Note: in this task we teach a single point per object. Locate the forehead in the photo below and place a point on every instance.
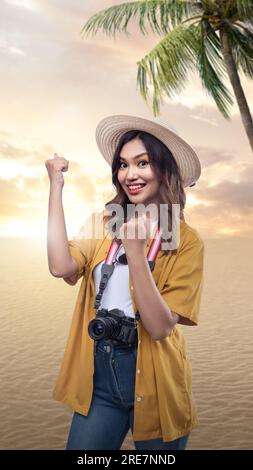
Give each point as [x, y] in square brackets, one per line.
[132, 148]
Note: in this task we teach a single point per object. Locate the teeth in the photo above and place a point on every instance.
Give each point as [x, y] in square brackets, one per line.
[135, 187]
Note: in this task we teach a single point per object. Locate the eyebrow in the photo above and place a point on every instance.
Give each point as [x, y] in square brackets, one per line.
[136, 156]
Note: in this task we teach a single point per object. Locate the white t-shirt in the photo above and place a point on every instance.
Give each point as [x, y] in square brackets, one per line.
[116, 293]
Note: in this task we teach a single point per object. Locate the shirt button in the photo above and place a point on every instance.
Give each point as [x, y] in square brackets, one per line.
[139, 341]
[138, 371]
[138, 398]
[132, 288]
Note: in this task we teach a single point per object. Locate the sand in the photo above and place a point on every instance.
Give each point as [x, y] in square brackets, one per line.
[36, 311]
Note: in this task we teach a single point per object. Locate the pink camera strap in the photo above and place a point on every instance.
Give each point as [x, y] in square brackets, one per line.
[152, 252]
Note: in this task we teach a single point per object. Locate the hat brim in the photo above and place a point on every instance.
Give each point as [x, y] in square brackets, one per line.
[110, 129]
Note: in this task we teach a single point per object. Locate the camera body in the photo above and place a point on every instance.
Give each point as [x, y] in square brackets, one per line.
[115, 325]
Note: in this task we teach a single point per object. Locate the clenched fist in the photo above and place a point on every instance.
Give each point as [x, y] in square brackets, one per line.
[55, 166]
[135, 233]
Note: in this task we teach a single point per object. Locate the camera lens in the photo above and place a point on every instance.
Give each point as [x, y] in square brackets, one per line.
[96, 329]
[103, 328]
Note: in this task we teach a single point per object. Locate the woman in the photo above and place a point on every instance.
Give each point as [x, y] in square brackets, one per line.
[110, 382]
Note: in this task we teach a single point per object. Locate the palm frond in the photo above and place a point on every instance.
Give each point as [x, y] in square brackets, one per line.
[246, 27]
[211, 68]
[160, 15]
[166, 67]
[245, 9]
[242, 48]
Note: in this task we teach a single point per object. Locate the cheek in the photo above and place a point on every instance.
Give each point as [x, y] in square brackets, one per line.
[154, 180]
[120, 177]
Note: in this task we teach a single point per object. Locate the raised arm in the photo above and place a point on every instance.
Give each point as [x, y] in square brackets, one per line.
[60, 261]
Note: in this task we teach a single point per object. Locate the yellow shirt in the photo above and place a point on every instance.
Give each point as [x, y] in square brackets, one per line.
[164, 405]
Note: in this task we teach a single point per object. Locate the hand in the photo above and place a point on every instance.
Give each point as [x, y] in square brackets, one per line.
[55, 166]
[138, 228]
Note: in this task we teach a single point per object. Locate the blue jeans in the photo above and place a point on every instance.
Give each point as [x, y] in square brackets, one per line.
[111, 412]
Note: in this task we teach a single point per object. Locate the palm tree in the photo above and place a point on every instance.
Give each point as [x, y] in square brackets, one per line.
[214, 37]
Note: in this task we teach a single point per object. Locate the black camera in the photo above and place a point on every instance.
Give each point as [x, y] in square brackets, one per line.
[113, 324]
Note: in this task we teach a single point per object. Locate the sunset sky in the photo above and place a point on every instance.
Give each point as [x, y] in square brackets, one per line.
[55, 86]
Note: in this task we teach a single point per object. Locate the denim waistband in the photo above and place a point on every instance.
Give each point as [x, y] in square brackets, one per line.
[108, 345]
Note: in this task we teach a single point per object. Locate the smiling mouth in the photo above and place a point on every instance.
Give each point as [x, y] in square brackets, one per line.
[134, 189]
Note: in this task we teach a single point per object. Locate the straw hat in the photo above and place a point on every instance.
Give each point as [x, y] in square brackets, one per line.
[111, 128]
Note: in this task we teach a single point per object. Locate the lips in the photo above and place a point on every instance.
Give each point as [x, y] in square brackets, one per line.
[135, 188]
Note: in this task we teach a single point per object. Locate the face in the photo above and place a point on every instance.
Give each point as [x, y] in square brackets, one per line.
[136, 175]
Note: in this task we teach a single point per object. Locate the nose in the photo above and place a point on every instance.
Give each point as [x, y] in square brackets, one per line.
[131, 173]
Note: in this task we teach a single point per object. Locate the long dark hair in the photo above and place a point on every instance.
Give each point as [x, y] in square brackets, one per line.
[165, 167]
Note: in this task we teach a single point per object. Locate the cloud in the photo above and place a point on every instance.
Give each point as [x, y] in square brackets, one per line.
[11, 197]
[225, 208]
[212, 122]
[27, 4]
[16, 51]
[22, 157]
[209, 158]
[234, 188]
[24, 181]
[233, 196]
[12, 151]
[56, 86]
[219, 221]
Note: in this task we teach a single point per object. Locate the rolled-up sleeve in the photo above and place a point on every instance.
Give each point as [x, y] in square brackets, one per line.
[83, 245]
[76, 251]
[183, 289]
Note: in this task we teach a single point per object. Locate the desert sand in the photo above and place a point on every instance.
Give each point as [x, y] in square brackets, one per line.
[36, 311]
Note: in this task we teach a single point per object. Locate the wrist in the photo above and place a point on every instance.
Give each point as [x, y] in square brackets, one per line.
[135, 256]
[55, 186]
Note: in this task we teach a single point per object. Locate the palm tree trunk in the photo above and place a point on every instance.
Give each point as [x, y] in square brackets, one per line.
[236, 84]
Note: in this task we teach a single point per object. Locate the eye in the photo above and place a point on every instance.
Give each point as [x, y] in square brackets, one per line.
[143, 161]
